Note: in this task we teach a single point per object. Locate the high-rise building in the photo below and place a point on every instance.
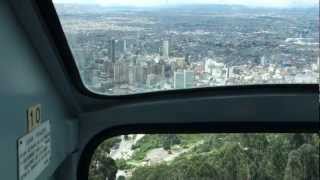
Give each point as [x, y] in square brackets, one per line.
[125, 73]
[178, 80]
[180, 63]
[183, 79]
[318, 70]
[109, 68]
[188, 78]
[80, 56]
[187, 59]
[152, 80]
[112, 50]
[87, 76]
[227, 72]
[121, 73]
[165, 49]
[140, 75]
[124, 46]
[121, 46]
[163, 72]
[95, 80]
[117, 72]
[263, 61]
[132, 74]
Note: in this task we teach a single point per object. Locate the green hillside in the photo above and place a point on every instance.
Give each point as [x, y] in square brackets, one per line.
[216, 157]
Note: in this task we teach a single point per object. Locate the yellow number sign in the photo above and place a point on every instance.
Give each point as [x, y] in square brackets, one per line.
[33, 117]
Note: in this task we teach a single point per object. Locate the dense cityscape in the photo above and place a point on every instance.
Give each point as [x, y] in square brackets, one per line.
[125, 50]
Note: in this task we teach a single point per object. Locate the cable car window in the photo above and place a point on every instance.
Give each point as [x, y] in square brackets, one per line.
[126, 47]
[260, 156]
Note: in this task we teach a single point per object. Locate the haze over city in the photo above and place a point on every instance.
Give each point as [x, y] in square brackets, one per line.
[251, 3]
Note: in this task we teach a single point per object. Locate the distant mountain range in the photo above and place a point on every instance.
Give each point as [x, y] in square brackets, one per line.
[96, 8]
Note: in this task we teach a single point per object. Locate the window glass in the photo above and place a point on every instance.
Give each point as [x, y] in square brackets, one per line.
[134, 46]
[207, 157]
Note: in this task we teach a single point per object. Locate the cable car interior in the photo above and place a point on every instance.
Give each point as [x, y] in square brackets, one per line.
[159, 90]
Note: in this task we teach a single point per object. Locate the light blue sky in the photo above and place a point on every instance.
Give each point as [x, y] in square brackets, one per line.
[263, 3]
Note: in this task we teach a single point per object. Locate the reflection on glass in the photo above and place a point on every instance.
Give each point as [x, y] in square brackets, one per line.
[131, 46]
[207, 157]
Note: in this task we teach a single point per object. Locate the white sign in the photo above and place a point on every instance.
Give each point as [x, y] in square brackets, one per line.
[34, 152]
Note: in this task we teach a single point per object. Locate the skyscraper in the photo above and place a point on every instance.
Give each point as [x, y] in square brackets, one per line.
[183, 79]
[165, 49]
[187, 59]
[112, 50]
[188, 78]
[141, 74]
[108, 66]
[178, 80]
[117, 72]
[121, 73]
[263, 61]
[132, 74]
[227, 72]
[124, 46]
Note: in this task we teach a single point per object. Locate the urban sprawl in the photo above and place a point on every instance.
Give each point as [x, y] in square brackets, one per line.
[127, 50]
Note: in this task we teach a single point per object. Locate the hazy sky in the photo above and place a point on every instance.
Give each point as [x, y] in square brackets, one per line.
[264, 3]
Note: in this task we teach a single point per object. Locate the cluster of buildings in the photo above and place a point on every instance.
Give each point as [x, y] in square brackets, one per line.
[124, 72]
[179, 48]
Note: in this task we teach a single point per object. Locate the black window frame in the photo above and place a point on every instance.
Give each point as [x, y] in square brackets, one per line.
[188, 128]
[51, 23]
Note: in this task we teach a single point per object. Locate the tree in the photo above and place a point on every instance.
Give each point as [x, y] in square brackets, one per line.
[296, 140]
[108, 168]
[277, 156]
[121, 178]
[293, 170]
[126, 137]
[170, 140]
[309, 158]
[303, 163]
[102, 166]
[233, 162]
